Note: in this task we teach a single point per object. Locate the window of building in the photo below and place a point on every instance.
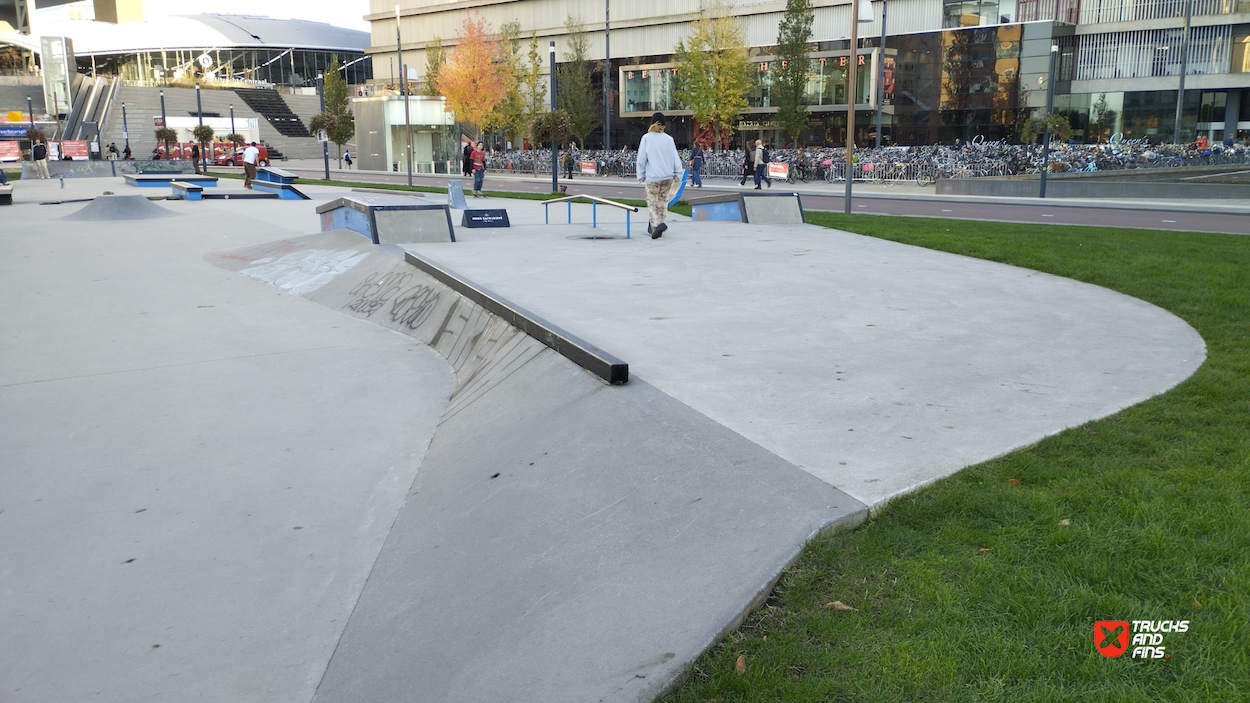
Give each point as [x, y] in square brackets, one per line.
[1241, 54]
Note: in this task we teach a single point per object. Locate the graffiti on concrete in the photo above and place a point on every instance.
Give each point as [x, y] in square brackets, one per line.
[410, 304]
[304, 271]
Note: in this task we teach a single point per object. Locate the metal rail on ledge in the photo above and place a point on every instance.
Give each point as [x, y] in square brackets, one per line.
[594, 212]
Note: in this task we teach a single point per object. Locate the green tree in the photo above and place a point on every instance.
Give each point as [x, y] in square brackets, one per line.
[1103, 119]
[713, 71]
[790, 81]
[337, 120]
[435, 57]
[509, 114]
[535, 89]
[203, 135]
[574, 91]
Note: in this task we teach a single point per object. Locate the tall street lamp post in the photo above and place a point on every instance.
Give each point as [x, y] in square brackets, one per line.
[125, 128]
[325, 144]
[555, 169]
[859, 13]
[1180, 92]
[1050, 102]
[403, 92]
[199, 111]
[163, 125]
[607, 76]
[881, 72]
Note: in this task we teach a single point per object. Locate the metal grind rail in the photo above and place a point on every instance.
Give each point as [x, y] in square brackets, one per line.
[594, 212]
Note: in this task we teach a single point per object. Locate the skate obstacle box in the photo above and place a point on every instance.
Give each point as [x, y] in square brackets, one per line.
[164, 180]
[187, 191]
[275, 180]
[772, 208]
[6, 195]
[721, 207]
[388, 219]
[755, 208]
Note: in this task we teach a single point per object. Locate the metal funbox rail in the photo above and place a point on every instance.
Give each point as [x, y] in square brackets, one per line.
[594, 212]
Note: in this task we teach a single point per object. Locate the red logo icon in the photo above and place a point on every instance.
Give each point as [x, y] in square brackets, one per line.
[1111, 637]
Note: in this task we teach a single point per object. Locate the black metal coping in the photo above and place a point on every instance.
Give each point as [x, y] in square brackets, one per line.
[579, 351]
[710, 199]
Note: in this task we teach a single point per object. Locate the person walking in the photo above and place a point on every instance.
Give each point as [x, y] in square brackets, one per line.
[696, 165]
[467, 166]
[748, 165]
[195, 156]
[347, 157]
[659, 167]
[478, 159]
[39, 158]
[568, 163]
[250, 154]
[127, 155]
[761, 164]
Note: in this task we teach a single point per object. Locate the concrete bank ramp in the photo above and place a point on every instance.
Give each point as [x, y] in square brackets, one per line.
[110, 208]
[564, 540]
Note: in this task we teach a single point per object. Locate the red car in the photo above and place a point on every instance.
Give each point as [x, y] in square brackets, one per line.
[237, 157]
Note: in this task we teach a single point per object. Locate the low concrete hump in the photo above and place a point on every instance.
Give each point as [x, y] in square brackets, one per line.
[107, 208]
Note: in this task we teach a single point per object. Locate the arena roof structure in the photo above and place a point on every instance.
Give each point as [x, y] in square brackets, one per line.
[195, 32]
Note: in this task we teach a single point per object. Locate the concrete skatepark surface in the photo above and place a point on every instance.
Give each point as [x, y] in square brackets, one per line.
[478, 518]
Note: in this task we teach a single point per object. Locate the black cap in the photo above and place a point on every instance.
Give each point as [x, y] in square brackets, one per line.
[658, 117]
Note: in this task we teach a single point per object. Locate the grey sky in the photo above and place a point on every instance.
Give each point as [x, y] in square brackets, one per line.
[341, 13]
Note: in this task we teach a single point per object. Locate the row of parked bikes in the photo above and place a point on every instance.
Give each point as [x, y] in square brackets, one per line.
[924, 165]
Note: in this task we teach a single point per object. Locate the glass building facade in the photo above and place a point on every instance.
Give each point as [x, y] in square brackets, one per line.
[261, 67]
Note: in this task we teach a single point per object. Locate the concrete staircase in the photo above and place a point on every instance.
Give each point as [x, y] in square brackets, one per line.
[142, 104]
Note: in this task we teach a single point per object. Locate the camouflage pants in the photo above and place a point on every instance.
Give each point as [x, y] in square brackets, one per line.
[657, 200]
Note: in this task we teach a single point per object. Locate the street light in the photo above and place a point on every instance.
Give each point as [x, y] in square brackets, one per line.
[163, 125]
[403, 92]
[1180, 92]
[1050, 101]
[607, 76]
[325, 144]
[555, 168]
[199, 111]
[125, 128]
[881, 73]
[861, 11]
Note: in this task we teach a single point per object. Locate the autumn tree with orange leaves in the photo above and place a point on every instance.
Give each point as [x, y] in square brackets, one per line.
[472, 81]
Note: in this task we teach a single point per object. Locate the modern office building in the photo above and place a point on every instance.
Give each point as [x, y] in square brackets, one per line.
[950, 69]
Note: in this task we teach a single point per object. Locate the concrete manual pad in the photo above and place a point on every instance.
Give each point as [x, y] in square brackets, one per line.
[877, 367]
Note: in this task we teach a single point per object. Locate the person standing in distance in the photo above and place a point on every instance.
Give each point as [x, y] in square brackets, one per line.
[761, 165]
[696, 165]
[659, 166]
[39, 157]
[478, 157]
[250, 154]
[347, 157]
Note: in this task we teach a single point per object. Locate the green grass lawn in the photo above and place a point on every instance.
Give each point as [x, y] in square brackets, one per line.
[978, 589]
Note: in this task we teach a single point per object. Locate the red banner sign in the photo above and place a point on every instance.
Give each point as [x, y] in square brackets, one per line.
[76, 150]
[10, 151]
[588, 168]
[780, 171]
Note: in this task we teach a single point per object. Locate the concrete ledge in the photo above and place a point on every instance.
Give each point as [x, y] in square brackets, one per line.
[275, 175]
[586, 355]
[187, 191]
[6, 195]
[388, 219]
[284, 191]
[152, 180]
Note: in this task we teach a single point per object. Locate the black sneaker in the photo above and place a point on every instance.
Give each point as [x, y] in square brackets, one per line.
[770, 183]
[659, 230]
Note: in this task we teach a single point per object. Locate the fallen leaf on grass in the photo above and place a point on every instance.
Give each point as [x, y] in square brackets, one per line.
[1088, 430]
[1065, 522]
[1197, 605]
[983, 549]
[837, 605]
[1013, 482]
[740, 666]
